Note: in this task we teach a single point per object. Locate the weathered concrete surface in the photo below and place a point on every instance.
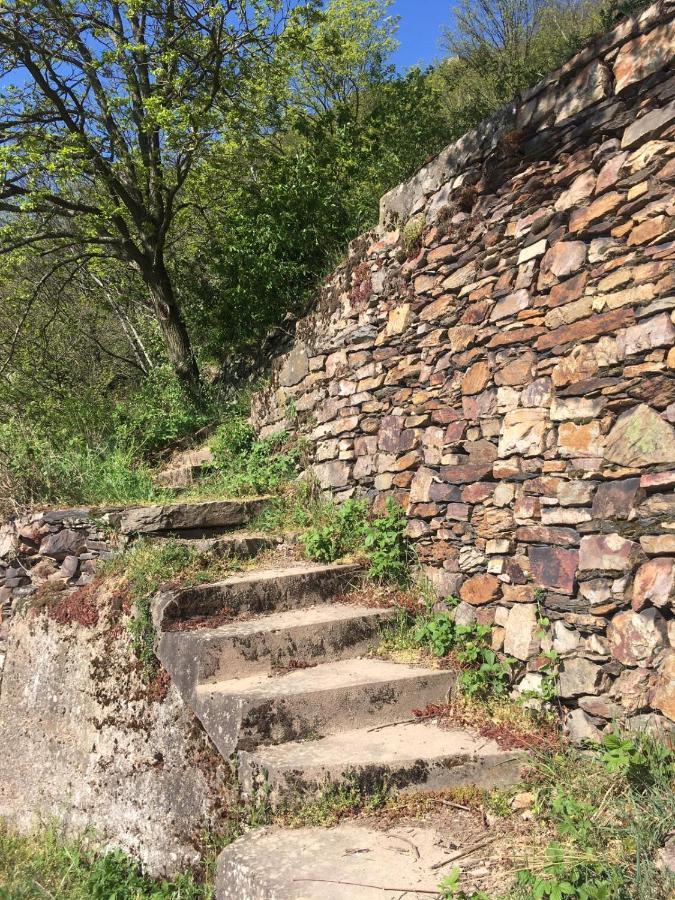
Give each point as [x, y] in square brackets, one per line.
[82, 743]
[415, 755]
[331, 864]
[206, 516]
[256, 592]
[242, 713]
[252, 646]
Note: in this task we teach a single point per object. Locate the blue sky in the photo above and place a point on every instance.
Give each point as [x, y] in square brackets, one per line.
[420, 30]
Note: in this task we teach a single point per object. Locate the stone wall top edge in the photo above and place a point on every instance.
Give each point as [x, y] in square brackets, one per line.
[408, 198]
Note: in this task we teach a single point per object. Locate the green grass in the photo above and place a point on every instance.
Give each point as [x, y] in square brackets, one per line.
[147, 565]
[610, 809]
[45, 864]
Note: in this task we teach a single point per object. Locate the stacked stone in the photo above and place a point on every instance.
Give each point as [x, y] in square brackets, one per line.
[511, 379]
[57, 548]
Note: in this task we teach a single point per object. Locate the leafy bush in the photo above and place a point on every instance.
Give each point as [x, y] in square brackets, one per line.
[244, 466]
[35, 469]
[342, 532]
[386, 546]
[347, 529]
[484, 674]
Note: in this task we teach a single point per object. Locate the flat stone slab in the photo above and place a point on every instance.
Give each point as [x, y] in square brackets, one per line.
[344, 863]
[179, 517]
[416, 755]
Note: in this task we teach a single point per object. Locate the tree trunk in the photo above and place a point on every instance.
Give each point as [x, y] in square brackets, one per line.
[175, 334]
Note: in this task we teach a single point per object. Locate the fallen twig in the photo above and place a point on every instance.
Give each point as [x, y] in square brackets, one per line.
[461, 853]
[376, 887]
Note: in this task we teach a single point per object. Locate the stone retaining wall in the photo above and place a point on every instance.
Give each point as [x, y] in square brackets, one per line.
[57, 548]
[510, 376]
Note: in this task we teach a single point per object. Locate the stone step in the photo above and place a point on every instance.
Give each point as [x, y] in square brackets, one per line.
[273, 641]
[348, 862]
[185, 468]
[242, 544]
[412, 754]
[257, 592]
[202, 519]
[243, 713]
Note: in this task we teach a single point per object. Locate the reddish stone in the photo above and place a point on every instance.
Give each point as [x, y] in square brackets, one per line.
[636, 639]
[455, 432]
[445, 415]
[438, 308]
[564, 258]
[647, 53]
[616, 499]
[517, 336]
[663, 695]
[518, 372]
[480, 589]
[442, 253]
[599, 209]
[480, 406]
[608, 552]
[654, 584]
[566, 292]
[544, 534]
[657, 480]
[465, 474]
[476, 379]
[476, 313]
[476, 493]
[648, 230]
[554, 568]
[591, 327]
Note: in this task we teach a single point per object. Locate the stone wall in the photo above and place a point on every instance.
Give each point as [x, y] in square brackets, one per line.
[58, 548]
[509, 376]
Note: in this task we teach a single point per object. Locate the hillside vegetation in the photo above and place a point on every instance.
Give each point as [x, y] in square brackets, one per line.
[154, 232]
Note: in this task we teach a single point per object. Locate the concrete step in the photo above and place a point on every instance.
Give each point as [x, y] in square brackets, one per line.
[349, 862]
[273, 641]
[419, 755]
[243, 713]
[257, 592]
[203, 519]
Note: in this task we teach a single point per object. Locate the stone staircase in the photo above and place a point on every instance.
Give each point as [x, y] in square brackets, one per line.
[276, 667]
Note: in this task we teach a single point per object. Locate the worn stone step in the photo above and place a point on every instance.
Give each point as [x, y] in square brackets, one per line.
[418, 755]
[257, 592]
[243, 713]
[242, 544]
[348, 862]
[201, 519]
[273, 641]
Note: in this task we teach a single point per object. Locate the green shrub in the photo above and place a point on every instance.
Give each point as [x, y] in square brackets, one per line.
[386, 546]
[243, 466]
[342, 532]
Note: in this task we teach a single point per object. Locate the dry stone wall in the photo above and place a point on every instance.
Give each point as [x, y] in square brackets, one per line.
[509, 375]
[58, 548]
